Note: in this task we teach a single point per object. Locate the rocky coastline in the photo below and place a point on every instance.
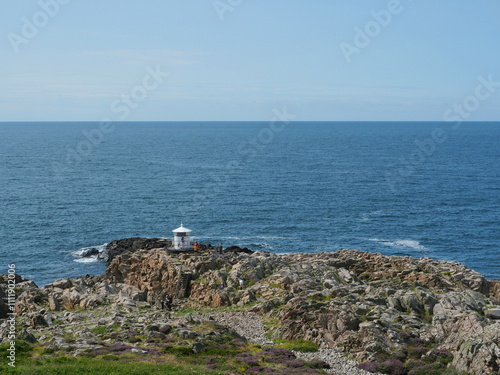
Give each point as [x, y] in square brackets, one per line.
[361, 311]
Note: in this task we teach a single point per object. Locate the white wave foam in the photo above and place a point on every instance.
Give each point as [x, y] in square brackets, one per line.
[369, 216]
[86, 260]
[399, 243]
[80, 252]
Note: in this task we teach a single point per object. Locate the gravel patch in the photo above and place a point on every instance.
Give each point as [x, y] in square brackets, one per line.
[250, 326]
[247, 324]
[338, 363]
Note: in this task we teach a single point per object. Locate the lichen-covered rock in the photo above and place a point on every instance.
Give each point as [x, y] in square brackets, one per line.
[493, 314]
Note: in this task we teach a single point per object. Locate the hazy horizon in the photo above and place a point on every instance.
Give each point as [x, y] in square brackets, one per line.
[221, 60]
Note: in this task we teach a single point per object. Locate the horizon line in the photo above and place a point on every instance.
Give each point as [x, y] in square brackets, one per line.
[232, 121]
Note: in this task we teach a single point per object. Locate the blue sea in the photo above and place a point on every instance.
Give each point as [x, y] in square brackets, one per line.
[408, 188]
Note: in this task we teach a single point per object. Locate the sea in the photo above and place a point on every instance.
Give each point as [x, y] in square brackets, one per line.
[420, 189]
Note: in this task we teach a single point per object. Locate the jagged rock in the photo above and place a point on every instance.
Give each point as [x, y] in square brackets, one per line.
[118, 247]
[410, 302]
[71, 299]
[198, 347]
[494, 291]
[17, 289]
[62, 284]
[27, 336]
[71, 317]
[90, 253]
[190, 318]
[493, 314]
[37, 320]
[135, 294]
[189, 335]
[30, 301]
[368, 304]
[54, 304]
[165, 328]
[476, 345]
[91, 302]
[428, 300]
[237, 249]
[125, 301]
[4, 307]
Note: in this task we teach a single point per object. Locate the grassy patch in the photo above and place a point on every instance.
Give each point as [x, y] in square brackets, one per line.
[99, 330]
[297, 345]
[320, 298]
[270, 326]
[108, 366]
[274, 286]
[23, 350]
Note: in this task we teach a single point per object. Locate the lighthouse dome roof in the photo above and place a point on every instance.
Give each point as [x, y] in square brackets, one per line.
[182, 229]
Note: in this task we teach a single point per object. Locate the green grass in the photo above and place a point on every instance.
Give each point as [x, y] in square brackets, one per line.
[298, 345]
[207, 309]
[98, 330]
[274, 286]
[109, 366]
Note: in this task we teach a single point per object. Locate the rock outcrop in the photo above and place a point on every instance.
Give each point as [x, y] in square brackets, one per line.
[381, 310]
[368, 304]
[126, 245]
[21, 285]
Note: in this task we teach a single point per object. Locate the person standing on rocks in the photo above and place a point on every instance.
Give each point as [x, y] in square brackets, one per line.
[242, 283]
[169, 300]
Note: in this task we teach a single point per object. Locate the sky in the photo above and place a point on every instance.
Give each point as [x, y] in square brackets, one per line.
[243, 60]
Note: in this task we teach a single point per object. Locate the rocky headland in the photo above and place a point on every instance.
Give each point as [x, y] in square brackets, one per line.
[346, 312]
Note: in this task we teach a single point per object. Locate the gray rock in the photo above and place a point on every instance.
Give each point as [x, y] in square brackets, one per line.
[71, 299]
[54, 304]
[198, 347]
[493, 314]
[62, 284]
[189, 335]
[165, 328]
[412, 303]
[37, 320]
[27, 336]
[153, 327]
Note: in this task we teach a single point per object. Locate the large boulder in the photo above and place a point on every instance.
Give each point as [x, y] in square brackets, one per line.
[20, 286]
[237, 249]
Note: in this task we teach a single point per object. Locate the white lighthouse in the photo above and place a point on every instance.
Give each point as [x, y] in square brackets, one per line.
[182, 238]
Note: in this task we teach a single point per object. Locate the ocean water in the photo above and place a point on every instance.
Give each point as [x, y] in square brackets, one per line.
[417, 189]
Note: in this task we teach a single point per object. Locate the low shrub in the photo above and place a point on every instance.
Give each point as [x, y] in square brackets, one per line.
[392, 367]
[298, 345]
[368, 366]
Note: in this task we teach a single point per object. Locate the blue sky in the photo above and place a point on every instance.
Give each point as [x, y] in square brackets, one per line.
[247, 59]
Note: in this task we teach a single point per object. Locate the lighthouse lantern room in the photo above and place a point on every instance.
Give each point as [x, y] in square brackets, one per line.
[182, 238]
